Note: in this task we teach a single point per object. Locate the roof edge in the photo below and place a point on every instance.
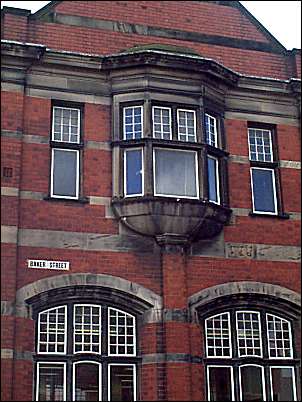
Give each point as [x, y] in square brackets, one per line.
[261, 27]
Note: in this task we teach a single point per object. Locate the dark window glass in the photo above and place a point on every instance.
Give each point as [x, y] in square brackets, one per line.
[220, 383]
[175, 173]
[65, 173]
[282, 384]
[263, 190]
[86, 382]
[51, 382]
[134, 184]
[122, 383]
[212, 180]
[251, 383]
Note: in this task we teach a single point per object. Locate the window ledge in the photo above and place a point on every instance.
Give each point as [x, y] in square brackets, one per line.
[81, 200]
[283, 215]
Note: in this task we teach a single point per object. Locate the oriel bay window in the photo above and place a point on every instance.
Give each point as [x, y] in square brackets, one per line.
[65, 152]
[171, 150]
[86, 352]
[249, 357]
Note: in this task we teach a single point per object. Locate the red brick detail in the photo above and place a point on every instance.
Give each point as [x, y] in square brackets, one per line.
[141, 268]
[289, 147]
[173, 266]
[259, 230]
[184, 15]
[12, 111]
[217, 271]
[66, 216]
[8, 271]
[6, 379]
[23, 377]
[7, 332]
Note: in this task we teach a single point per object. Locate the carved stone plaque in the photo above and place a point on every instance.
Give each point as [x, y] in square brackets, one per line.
[238, 250]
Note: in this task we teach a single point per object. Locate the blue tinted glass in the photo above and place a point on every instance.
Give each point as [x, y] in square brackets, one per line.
[212, 180]
[65, 173]
[263, 190]
[133, 172]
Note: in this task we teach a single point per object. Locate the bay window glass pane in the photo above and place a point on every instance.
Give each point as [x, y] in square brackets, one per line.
[161, 122]
[65, 165]
[133, 122]
[186, 125]
[86, 382]
[175, 173]
[211, 130]
[251, 383]
[282, 384]
[263, 186]
[220, 383]
[122, 383]
[51, 382]
[133, 172]
[213, 180]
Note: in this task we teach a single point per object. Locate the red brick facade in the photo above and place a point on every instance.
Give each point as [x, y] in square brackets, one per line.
[259, 255]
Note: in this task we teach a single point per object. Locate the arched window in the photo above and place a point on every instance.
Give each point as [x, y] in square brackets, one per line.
[249, 357]
[85, 352]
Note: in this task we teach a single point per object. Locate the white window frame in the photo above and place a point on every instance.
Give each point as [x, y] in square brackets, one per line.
[124, 121]
[293, 380]
[260, 337]
[229, 332]
[134, 377]
[208, 379]
[196, 174]
[207, 115]
[38, 376]
[61, 124]
[90, 334]
[290, 337]
[77, 174]
[217, 180]
[125, 172]
[178, 133]
[262, 376]
[65, 331]
[134, 333]
[270, 141]
[170, 122]
[274, 191]
[74, 376]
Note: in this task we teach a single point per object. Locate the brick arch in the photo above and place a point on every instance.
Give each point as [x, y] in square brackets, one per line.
[150, 299]
[214, 293]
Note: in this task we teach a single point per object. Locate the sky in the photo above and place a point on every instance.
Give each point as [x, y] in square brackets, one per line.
[281, 18]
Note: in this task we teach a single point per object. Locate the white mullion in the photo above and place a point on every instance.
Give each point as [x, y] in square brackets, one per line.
[271, 145]
[69, 126]
[133, 125]
[275, 337]
[161, 124]
[61, 139]
[56, 331]
[47, 333]
[282, 338]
